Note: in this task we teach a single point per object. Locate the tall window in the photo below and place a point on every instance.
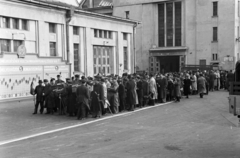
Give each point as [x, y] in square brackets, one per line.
[53, 51]
[75, 30]
[125, 53]
[215, 8]
[214, 57]
[170, 24]
[15, 23]
[6, 22]
[5, 45]
[16, 44]
[52, 28]
[124, 36]
[215, 34]
[178, 23]
[24, 24]
[76, 57]
[102, 34]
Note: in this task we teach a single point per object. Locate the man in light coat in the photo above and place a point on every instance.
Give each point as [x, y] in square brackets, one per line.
[153, 89]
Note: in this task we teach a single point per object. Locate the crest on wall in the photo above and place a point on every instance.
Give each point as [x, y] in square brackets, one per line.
[21, 51]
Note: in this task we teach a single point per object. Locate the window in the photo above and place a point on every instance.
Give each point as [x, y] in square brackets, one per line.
[76, 57]
[15, 23]
[124, 36]
[215, 34]
[105, 34]
[52, 28]
[53, 51]
[75, 30]
[16, 44]
[214, 57]
[202, 62]
[170, 24]
[6, 22]
[125, 58]
[5, 45]
[24, 24]
[100, 34]
[95, 33]
[109, 34]
[127, 14]
[215, 8]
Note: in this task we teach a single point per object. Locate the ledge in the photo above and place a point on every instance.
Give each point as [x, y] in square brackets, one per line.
[164, 49]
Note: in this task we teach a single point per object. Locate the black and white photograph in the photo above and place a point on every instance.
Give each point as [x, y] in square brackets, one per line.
[119, 78]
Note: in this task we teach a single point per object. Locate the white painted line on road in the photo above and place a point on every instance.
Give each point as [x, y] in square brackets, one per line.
[78, 125]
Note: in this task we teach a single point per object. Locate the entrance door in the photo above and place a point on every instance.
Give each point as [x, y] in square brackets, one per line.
[101, 59]
[169, 64]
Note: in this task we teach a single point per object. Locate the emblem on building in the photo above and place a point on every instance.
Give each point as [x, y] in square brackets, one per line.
[21, 51]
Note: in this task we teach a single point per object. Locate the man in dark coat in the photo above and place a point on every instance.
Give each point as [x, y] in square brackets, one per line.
[96, 98]
[162, 88]
[140, 91]
[131, 95]
[39, 91]
[122, 95]
[83, 98]
[212, 77]
[186, 85]
[230, 78]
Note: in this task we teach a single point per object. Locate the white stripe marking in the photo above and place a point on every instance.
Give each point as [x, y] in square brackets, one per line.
[78, 125]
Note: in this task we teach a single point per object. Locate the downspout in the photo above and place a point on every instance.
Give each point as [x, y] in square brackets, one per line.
[69, 15]
[134, 46]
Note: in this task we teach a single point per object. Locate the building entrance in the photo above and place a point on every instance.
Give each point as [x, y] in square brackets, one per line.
[169, 64]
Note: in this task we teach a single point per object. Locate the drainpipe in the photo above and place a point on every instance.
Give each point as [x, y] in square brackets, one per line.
[69, 15]
[134, 46]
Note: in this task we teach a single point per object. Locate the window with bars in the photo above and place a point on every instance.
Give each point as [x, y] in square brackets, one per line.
[52, 28]
[15, 23]
[75, 30]
[215, 34]
[53, 51]
[215, 8]
[76, 57]
[5, 22]
[178, 23]
[5, 45]
[214, 57]
[202, 62]
[169, 24]
[24, 24]
[16, 44]
[102, 34]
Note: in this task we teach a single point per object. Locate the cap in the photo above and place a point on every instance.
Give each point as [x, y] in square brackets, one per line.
[52, 79]
[45, 80]
[77, 76]
[40, 81]
[58, 75]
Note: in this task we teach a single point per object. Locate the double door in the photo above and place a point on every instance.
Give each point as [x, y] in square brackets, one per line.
[101, 60]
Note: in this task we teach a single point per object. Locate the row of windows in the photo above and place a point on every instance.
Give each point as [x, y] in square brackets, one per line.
[14, 23]
[102, 34]
[5, 45]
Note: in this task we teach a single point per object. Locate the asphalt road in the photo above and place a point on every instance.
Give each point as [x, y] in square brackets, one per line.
[193, 128]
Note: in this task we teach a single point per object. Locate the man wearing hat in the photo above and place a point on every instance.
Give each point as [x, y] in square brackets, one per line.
[39, 90]
[59, 79]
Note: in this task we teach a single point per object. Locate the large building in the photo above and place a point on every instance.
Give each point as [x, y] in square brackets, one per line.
[39, 40]
[175, 33]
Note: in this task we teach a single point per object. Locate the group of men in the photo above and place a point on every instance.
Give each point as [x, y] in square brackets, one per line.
[99, 95]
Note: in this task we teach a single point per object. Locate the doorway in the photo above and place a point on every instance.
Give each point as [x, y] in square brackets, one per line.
[169, 64]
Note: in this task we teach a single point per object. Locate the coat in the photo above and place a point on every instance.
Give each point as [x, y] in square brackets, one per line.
[194, 83]
[145, 87]
[177, 86]
[96, 97]
[202, 85]
[140, 90]
[163, 88]
[83, 96]
[186, 86]
[39, 90]
[131, 95]
[153, 88]
[49, 96]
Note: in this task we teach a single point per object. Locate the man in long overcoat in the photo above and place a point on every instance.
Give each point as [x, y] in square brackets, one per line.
[153, 89]
[202, 85]
[39, 90]
[97, 95]
[131, 95]
[83, 98]
[140, 91]
[163, 89]
[145, 87]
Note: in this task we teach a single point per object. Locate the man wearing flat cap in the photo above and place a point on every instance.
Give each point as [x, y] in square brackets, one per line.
[39, 90]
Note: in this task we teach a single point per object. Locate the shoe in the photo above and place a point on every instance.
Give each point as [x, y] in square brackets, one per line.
[34, 113]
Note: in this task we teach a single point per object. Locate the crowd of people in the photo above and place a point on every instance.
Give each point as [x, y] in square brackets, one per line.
[86, 96]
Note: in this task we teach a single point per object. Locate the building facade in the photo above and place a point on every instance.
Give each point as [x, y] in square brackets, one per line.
[39, 40]
[183, 32]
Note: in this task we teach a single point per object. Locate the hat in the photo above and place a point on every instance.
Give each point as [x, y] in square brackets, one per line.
[45, 80]
[58, 75]
[83, 78]
[40, 81]
[52, 79]
[77, 76]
